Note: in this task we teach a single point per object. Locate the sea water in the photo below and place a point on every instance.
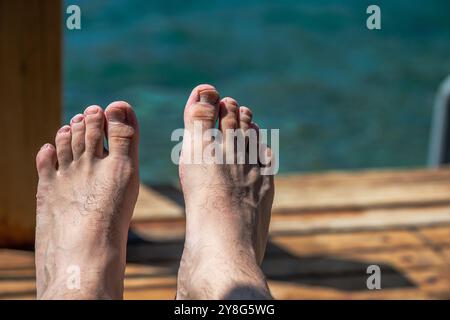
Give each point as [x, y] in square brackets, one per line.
[343, 96]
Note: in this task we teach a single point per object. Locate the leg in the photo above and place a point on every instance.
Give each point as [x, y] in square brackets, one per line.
[85, 199]
[227, 210]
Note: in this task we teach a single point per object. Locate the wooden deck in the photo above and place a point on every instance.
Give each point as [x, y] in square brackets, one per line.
[326, 229]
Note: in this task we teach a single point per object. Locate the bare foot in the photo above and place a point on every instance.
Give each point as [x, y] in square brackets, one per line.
[227, 211]
[85, 200]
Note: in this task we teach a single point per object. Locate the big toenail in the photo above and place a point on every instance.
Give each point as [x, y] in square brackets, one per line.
[91, 110]
[77, 118]
[117, 115]
[208, 96]
[64, 129]
[46, 146]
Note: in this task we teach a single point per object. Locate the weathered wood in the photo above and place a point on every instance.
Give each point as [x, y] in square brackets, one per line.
[348, 242]
[152, 205]
[391, 262]
[317, 244]
[30, 88]
[324, 222]
[377, 219]
[333, 191]
[316, 252]
[439, 236]
[428, 284]
[361, 190]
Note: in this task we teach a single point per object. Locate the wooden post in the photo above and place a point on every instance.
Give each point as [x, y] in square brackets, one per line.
[439, 150]
[30, 97]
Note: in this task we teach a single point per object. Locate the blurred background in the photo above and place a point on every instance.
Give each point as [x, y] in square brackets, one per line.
[342, 96]
[354, 108]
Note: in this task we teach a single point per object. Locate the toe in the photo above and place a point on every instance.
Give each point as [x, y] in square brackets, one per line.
[46, 160]
[122, 130]
[251, 141]
[245, 118]
[255, 127]
[228, 123]
[63, 141]
[78, 129]
[229, 114]
[202, 105]
[265, 155]
[94, 121]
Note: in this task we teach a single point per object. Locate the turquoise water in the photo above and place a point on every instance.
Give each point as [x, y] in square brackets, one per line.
[342, 96]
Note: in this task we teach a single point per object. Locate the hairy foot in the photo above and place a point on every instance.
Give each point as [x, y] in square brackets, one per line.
[85, 199]
[228, 209]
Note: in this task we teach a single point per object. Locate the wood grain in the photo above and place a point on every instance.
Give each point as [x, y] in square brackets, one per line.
[314, 252]
[30, 87]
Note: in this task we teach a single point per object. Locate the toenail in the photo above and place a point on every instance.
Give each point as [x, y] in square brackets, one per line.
[209, 96]
[231, 101]
[246, 111]
[46, 146]
[116, 115]
[92, 110]
[64, 129]
[77, 118]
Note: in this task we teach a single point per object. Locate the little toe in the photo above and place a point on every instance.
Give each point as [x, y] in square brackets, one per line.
[78, 129]
[63, 141]
[94, 121]
[122, 130]
[46, 161]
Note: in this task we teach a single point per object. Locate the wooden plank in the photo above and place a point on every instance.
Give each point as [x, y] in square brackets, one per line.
[14, 259]
[342, 264]
[332, 191]
[30, 87]
[291, 290]
[150, 283]
[367, 241]
[353, 190]
[9, 287]
[143, 294]
[288, 291]
[439, 236]
[372, 219]
[159, 229]
[152, 205]
[446, 256]
[308, 223]
[302, 244]
[428, 284]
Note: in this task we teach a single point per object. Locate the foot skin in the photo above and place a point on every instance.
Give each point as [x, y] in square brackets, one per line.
[85, 200]
[227, 211]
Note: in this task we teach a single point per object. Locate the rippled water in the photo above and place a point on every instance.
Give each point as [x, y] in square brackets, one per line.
[341, 95]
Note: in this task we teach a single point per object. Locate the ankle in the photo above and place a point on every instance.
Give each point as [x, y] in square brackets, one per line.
[221, 276]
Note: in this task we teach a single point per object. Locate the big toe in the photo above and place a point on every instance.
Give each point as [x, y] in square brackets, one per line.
[122, 130]
[202, 106]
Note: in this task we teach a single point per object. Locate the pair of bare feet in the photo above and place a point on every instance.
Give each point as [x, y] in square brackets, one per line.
[87, 193]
